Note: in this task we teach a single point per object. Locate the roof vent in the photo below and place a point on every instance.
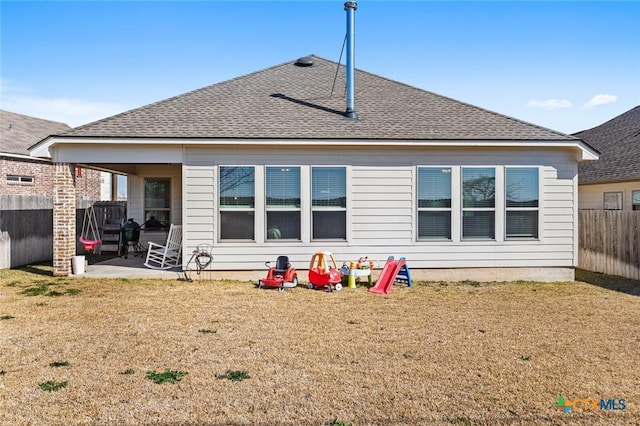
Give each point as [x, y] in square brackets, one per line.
[305, 61]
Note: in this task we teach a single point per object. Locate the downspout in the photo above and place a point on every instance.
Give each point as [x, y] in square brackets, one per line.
[350, 7]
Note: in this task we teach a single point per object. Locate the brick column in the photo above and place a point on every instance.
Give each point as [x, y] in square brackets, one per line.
[64, 219]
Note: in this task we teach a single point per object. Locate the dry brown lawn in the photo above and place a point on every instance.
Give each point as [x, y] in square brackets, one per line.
[437, 353]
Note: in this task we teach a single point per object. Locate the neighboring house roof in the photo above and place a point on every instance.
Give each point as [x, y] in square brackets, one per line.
[296, 102]
[618, 140]
[18, 132]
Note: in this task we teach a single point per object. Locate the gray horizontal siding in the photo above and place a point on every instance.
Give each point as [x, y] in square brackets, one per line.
[382, 209]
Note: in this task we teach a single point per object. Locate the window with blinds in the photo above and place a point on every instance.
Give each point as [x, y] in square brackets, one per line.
[434, 203]
[282, 202]
[478, 203]
[329, 203]
[237, 203]
[521, 202]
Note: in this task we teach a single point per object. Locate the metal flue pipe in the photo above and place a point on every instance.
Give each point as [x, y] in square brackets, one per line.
[350, 7]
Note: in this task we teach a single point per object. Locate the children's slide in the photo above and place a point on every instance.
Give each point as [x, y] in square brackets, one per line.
[388, 275]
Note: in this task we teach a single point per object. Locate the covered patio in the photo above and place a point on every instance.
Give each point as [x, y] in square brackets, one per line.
[131, 267]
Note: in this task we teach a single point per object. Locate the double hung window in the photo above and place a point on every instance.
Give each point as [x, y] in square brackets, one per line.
[157, 199]
[612, 200]
[521, 192]
[329, 203]
[237, 203]
[434, 203]
[479, 203]
[635, 200]
[283, 202]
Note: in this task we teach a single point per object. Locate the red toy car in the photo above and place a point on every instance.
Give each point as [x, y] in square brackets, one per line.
[281, 276]
[323, 272]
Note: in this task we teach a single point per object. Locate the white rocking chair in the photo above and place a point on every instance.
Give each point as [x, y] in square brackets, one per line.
[169, 255]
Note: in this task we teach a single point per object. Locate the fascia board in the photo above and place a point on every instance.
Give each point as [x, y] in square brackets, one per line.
[587, 153]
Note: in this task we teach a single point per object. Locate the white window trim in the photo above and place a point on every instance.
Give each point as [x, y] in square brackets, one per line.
[344, 209]
[538, 209]
[258, 205]
[634, 191]
[451, 209]
[144, 197]
[619, 198]
[280, 209]
[259, 210]
[498, 204]
[20, 180]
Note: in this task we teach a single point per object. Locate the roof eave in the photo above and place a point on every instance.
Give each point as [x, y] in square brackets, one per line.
[587, 153]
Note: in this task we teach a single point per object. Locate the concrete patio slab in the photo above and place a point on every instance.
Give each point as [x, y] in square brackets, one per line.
[131, 267]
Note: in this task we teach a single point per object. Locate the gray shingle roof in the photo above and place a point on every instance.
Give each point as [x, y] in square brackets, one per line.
[618, 140]
[18, 132]
[288, 101]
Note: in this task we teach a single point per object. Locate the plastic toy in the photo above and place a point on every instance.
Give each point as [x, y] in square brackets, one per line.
[394, 270]
[282, 276]
[323, 272]
[354, 270]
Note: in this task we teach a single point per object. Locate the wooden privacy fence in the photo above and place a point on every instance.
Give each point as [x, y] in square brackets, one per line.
[609, 242]
[26, 227]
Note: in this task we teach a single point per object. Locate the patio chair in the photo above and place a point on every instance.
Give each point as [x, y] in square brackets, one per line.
[169, 255]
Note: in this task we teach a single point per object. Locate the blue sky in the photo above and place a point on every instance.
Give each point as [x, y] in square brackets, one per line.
[568, 66]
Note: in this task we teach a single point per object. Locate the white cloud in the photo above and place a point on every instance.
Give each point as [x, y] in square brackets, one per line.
[603, 99]
[550, 104]
[73, 112]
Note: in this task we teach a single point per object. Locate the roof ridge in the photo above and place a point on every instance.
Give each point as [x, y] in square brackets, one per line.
[240, 107]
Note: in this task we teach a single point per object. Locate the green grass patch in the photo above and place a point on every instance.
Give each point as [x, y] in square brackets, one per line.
[6, 317]
[234, 375]
[168, 376]
[459, 420]
[43, 288]
[38, 290]
[52, 386]
[336, 422]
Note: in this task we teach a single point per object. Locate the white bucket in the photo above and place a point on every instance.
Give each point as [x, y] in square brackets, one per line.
[77, 265]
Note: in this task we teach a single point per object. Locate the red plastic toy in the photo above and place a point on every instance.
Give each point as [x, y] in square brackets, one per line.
[281, 276]
[323, 272]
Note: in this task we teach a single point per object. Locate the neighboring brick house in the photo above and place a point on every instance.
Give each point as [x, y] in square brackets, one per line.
[612, 182]
[22, 174]
[27, 190]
